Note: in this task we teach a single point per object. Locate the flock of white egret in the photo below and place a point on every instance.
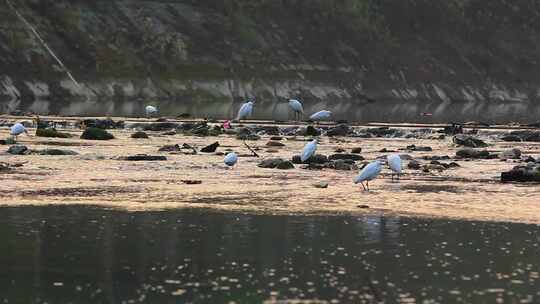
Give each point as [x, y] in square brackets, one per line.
[368, 173]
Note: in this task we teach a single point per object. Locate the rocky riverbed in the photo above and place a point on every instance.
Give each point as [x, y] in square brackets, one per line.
[152, 164]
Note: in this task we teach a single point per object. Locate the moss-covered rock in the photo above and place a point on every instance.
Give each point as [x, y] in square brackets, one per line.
[96, 134]
[51, 132]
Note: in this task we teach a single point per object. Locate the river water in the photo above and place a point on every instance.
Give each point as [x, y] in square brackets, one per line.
[87, 255]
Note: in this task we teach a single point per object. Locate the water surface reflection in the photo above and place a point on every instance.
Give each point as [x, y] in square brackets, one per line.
[86, 255]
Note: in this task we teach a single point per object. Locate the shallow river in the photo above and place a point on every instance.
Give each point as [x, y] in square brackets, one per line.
[88, 255]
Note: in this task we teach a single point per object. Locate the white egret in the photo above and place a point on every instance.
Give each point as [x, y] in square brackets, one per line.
[231, 159]
[297, 108]
[150, 110]
[370, 172]
[394, 162]
[17, 129]
[309, 150]
[245, 110]
[321, 115]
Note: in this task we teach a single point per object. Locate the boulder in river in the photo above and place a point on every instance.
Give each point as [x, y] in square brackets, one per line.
[522, 174]
[139, 134]
[414, 165]
[469, 141]
[57, 152]
[272, 143]
[210, 148]
[18, 150]
[524, 135]
[511, 154]
[353, 157]
[144, 157]
[472, 153]
[51, 132]
[169, 148]
[316, 159]
[161, 126]
[96, 134]
[356, 150]
[102, 123]
[309, 131]
[277, 163]
[339, 130]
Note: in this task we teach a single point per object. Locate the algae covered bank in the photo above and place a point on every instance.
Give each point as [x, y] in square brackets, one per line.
[366, 60]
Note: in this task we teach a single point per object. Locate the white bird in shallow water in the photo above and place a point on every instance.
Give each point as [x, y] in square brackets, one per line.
[321, 115]
[370, 172]
[296, 106]
[150, 110]
[394, 162]
[309, 150]
[17, 129]
[245, 110]
[231, 159]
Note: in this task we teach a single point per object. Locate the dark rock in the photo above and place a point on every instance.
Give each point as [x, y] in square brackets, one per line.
[339, 150]
[339, 130]
[57, 152]
[384, 150]
[353, 157]
[246, 134]
[421, 149]
[139, 134]
[289, 131]
[522, 174]
[511, 154]
[191, 181]
[468, 141]
[161, 126]
[144, 157]
[436, 157]
[525, 135]
[452, 165]
[274, 144]
[317, 159]
[414, 165]
[383, 132]
[363, 206]
[529, 159]
[3, 142]
[309, 131]
[321, 185]
[103, 123]
[169, 133]
[343, 165]
[357, 150]
[269, 130]
[511, 138]
[169, 148]
[278, 163]
[96, 134]
[210, 148]
[285, 165]
[51, 132]
[471, 153]
[314, 166]
[276, 138]
[453, 129]
[18, 150]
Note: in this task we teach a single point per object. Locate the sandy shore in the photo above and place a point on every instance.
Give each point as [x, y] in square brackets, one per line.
[95, 177]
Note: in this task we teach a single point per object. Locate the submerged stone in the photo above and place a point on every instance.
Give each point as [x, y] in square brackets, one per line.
[96, 134]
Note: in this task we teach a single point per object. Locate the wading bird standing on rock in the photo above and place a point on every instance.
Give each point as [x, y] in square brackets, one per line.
[245, 110]
[17, 129]
[370, 172]
[231, 159]
[309, 150]
[150, 110]
[394, 162]
[297, 108]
